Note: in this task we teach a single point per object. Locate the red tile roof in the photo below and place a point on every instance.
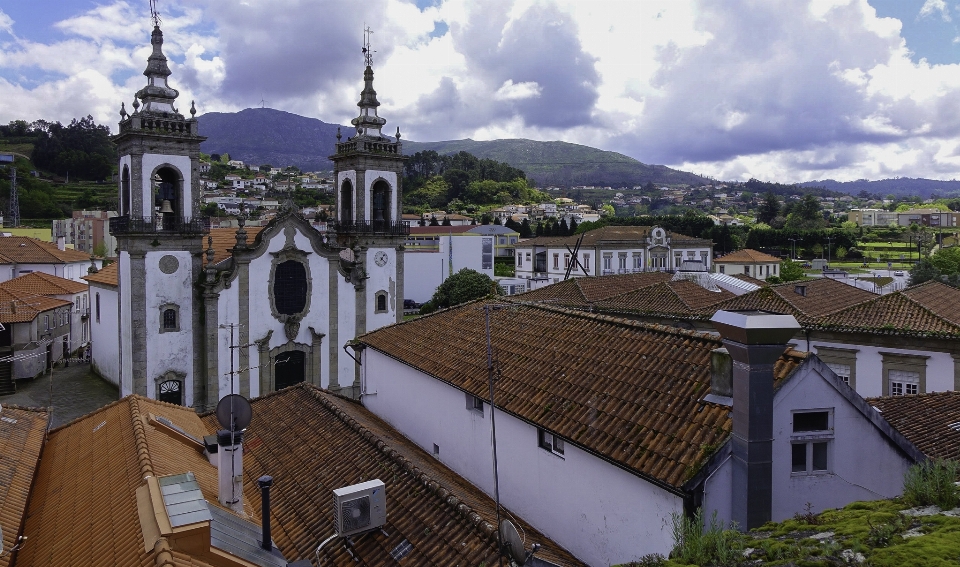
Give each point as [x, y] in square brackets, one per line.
[581, 292]
[330, 442]
[22, 432]
[747, 256]
[108, 275]
[682, 299]
[18, 307]
[40, 283]
[821, 296]
[26, 250]
[929, 421]
[914, 311]
[627, 391]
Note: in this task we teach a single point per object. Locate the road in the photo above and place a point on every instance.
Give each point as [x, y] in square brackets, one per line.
[72, 392]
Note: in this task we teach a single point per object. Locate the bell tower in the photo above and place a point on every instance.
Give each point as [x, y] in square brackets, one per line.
[368, 169]
[160, 239]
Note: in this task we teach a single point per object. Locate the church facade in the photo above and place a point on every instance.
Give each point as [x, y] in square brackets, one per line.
[203, 314]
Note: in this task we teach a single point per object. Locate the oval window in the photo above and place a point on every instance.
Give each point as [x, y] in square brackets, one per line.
[290, 287]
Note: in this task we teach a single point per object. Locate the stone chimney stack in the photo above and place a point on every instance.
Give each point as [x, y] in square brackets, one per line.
[755, 341]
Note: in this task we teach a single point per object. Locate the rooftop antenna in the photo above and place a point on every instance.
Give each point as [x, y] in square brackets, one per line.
[262, 102]
[154, 13]
[367, 52]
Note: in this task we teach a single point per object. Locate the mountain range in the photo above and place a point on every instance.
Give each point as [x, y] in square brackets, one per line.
[268, 136]
[897, 186]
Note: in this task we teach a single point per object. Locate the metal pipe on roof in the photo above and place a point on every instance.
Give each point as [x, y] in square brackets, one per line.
[265, 482]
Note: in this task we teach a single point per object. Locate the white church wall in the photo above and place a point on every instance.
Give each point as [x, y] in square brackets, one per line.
[601, 513]
[104, 339]
[228, 314]
[381, 279]
[153, 161]
[346, 330]
[172, 350]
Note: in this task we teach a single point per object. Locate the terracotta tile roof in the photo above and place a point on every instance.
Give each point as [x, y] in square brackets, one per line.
[108, 275]
[581, 292]
[914, 311]
[26, 250]
[944, 300]
[224, 239]
[613, 235]
[748, 279]
[22, 432]
[83, 507]
[329, 443]
[627, 391]
[19, 307]
[747, 256]
[40, 283]
[822, 297]
[676, 298]
[929, 421]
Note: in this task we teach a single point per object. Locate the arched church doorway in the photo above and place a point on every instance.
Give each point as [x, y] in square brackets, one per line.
[289, 369]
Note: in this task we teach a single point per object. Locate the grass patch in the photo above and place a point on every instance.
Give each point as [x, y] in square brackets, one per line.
[932, 483]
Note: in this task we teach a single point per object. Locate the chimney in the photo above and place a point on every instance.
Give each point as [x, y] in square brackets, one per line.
[721, 377]
[755, 340]
[230, 469]
[264, 482]
[61, 242]
[800, 290]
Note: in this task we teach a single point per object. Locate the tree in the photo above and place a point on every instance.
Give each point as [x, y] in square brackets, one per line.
[922, 271]
[497, 221]
[434, 221]
[465, 285]
[446, 221]
[791, 271]
[525, 231]
[769, 208]
[573, 226]
[564, 230]
[840, 253]
[805, 215]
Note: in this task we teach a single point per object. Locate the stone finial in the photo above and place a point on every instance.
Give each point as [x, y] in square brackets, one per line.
[338, 134]
[211, 271]
[398, 133]
[93, 265]
[193, 109]
[241, 233]
[123, 111]
[136, 105]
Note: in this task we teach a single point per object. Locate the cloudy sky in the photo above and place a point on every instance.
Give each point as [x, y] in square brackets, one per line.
[781, 90]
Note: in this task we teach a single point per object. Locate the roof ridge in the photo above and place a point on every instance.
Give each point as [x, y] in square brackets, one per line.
[38, 409]
[484, 528]
[140, 434]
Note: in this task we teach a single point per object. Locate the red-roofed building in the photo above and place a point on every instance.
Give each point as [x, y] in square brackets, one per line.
[748, 262]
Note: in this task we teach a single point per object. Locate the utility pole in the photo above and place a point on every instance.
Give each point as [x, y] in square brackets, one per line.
[14, 199]
[829, 239]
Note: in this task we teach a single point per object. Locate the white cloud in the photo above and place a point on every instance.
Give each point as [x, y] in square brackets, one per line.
[517, 91]
[6, 23]
[931, 7]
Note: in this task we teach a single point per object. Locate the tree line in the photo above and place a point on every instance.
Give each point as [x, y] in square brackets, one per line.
[81, 149]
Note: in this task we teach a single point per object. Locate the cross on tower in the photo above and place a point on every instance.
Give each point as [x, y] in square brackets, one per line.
[154, 13]
[367, 52]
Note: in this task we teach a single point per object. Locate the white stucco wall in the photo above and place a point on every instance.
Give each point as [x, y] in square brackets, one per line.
[170, 350]
[228, 314]
[601, 513]
[869, 374]
[151, 162]
[104, 336]
[69, 271]
[382, 278]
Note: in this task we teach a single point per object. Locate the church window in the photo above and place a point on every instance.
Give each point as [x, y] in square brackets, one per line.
[346, 202]
[169, 318]
[381, 202]
[98, 308]
[170, 392]
[290, 287]
[381, 302]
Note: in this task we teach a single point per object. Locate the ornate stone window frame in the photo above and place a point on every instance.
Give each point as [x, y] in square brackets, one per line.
[176, 310]
[837, 355]
[378, 184]
[179, 189]
[376, 302]
[311, 364]
[906, 362]
[172, 376]
[287, 254]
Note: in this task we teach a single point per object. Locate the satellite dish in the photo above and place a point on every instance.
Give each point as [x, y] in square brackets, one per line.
[512, 544]
[236, 406]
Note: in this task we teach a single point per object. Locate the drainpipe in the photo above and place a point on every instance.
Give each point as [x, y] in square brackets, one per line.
[755, 341]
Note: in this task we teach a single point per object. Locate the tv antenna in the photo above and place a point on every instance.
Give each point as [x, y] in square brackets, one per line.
[262, 102]
[367, 52]
[154, 13]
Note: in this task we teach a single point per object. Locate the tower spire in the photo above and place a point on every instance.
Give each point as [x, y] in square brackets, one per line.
[368, 124]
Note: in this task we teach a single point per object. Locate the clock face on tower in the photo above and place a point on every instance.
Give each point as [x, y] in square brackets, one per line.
[380, 258]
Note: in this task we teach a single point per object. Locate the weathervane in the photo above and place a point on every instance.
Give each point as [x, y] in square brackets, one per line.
[367, 52]
[154, 13]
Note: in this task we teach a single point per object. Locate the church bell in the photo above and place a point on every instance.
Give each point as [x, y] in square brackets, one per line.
[165, 206]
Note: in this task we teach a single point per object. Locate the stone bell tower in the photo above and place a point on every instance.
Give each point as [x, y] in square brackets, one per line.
[368, 168]
[160, 239]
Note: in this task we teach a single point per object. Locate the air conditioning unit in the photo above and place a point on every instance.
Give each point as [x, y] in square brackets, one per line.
[360, 507]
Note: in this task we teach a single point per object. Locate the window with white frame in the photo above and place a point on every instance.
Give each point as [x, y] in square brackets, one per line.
[519, 260]
[903, 374]
[566, 261]
[608, 261]
[586, 263]
[677, 259]
[637, 261]
[622, 260]
[904, 382]
[810, 442]
[556, 261]
[46, 322]
[550, 442]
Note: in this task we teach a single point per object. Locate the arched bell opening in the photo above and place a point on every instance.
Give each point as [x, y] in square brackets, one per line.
[346, 202]
[168, 197]
[380, 210]
[125, 192]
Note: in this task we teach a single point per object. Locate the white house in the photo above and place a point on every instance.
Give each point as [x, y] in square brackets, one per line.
[103, 303]
[749, 262]
[606, 429]
[433, 253]
[22, 255]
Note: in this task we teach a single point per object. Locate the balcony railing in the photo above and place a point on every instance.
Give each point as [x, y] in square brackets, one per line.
[373, 227]
[136, 225]
[361, 145]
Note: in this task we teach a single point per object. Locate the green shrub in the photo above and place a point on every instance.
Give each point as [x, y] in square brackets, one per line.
[932, 483]
[719, 545]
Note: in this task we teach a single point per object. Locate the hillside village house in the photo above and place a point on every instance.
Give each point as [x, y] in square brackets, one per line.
[748, 262]
[36, 332]
[22, 255]
[599, 449]
[39, 283]
[921, 217]
[608, 250]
